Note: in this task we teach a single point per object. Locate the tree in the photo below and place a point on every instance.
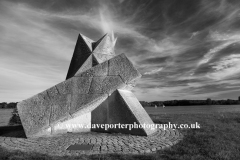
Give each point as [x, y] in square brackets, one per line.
[209, 101]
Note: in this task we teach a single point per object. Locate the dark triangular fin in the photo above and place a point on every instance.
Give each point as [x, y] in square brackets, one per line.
[88, 41]
[80, 55]
[95, 44]
[86, 65]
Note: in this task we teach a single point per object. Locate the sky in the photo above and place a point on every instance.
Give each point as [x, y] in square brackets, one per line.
[184, 49]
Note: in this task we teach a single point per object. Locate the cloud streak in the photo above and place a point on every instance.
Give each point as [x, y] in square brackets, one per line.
[184, 49]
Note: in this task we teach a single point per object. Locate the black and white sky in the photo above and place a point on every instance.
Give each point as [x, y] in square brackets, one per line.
[185, 49]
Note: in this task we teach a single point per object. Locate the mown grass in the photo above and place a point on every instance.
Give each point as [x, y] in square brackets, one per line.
[218, 139]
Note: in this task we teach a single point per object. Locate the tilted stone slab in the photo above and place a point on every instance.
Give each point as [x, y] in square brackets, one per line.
[35, 113]
[60, 107]
[98, 70]
[120, 65]
[81, 101]
[75, 85]
[106, 84]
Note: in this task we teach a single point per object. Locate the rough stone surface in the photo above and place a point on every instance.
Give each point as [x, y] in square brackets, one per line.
[35, 113]
[103, 143]
[81, 85]
[60, 107]
[106, 84]
[98, 70]
[65, 87]
[76, 124]
[81, 101]
[120, 65]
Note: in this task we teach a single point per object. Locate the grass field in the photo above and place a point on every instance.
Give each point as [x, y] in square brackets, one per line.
[218, 139]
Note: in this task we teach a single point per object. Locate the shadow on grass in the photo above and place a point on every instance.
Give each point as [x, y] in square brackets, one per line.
[16, 131]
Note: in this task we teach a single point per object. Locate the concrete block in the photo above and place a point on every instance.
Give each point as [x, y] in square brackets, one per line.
[53, 92]
[106, 84]
[60, 107]
[85, 103]
[81, 85]
[120, 65]
[80, 123]
[111, 83]
[35, 113]
[96, 85]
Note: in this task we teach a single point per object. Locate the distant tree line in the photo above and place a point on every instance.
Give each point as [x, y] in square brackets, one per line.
[8, 105]
[191, 102]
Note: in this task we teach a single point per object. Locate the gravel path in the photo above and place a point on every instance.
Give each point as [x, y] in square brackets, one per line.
[102, 143]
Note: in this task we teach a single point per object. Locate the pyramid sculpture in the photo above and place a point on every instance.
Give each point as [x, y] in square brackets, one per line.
[96, 93]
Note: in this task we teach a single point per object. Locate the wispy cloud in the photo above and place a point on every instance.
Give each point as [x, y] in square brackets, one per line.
[184, 49]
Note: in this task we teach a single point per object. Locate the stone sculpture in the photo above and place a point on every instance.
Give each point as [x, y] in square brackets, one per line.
[97, 90]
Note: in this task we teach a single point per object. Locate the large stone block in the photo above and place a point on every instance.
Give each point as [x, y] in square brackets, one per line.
[35, 113]
[85, 102]
[60, 107]
[65, 87]
[80, 123]
[120, 65]
[106, 84]
[81, 85]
